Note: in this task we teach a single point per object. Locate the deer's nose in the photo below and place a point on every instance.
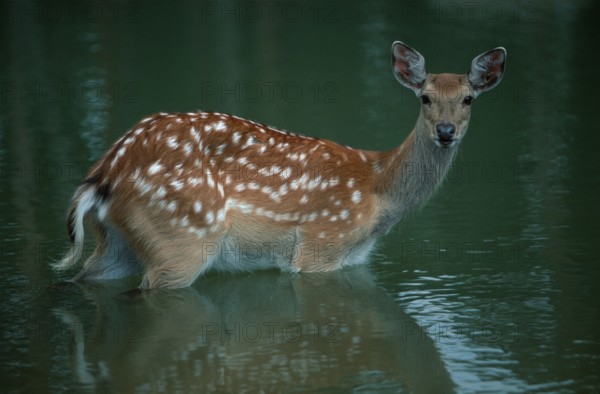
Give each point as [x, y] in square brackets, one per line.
[445, 131]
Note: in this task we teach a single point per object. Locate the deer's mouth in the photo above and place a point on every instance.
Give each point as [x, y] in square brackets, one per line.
[445, 143]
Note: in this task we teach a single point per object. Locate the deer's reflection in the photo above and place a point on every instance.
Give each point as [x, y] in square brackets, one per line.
[266, 331]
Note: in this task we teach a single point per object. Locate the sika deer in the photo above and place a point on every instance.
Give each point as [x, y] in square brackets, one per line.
[180, 194]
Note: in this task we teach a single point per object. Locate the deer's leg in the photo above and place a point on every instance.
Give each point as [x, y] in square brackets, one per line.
[112, 258]
[315, 255]
[179, 262]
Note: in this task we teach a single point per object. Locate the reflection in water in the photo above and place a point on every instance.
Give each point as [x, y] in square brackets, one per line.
[264, 331]
[96, 103]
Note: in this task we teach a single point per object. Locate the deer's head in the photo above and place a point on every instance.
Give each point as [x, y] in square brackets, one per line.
[446, 98]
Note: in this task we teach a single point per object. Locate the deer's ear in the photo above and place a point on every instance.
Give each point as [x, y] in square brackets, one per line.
[487, 70]
[408, 66]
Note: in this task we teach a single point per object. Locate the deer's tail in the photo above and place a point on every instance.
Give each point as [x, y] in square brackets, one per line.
[84, 200]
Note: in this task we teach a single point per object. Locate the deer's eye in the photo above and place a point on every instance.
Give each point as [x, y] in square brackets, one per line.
[468, 100]
[425, 99]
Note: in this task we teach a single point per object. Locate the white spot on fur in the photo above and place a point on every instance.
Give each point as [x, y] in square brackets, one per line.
[187, 148]
[241, 206]
[160, 193]
[210, 217]
[283, 190]
[300, 182]
[195, 181]
[220, 126]
[249, 142]
[102, 211]
[356, 196]
[172, 143]
[154, 168]
[195, 134]
[177, 184]
[220, 215]
[220, 149]
[143, 186]
[314, 183]
[209, 179]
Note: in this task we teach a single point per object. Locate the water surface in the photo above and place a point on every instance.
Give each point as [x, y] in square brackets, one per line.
[489, 288]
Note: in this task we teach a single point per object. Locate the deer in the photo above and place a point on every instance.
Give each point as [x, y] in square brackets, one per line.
[182, 194]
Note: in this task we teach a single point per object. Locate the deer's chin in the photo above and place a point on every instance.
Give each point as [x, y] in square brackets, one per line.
[446, 144]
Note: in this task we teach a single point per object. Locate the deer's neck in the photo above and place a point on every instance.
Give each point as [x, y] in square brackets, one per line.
[411, 173]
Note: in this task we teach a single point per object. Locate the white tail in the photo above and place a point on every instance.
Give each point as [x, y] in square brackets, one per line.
[179, 194]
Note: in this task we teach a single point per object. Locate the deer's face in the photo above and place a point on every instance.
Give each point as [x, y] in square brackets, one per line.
[446, 108]
[446, 98]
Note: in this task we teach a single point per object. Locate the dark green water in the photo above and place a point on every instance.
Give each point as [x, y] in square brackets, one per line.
[490, 288]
